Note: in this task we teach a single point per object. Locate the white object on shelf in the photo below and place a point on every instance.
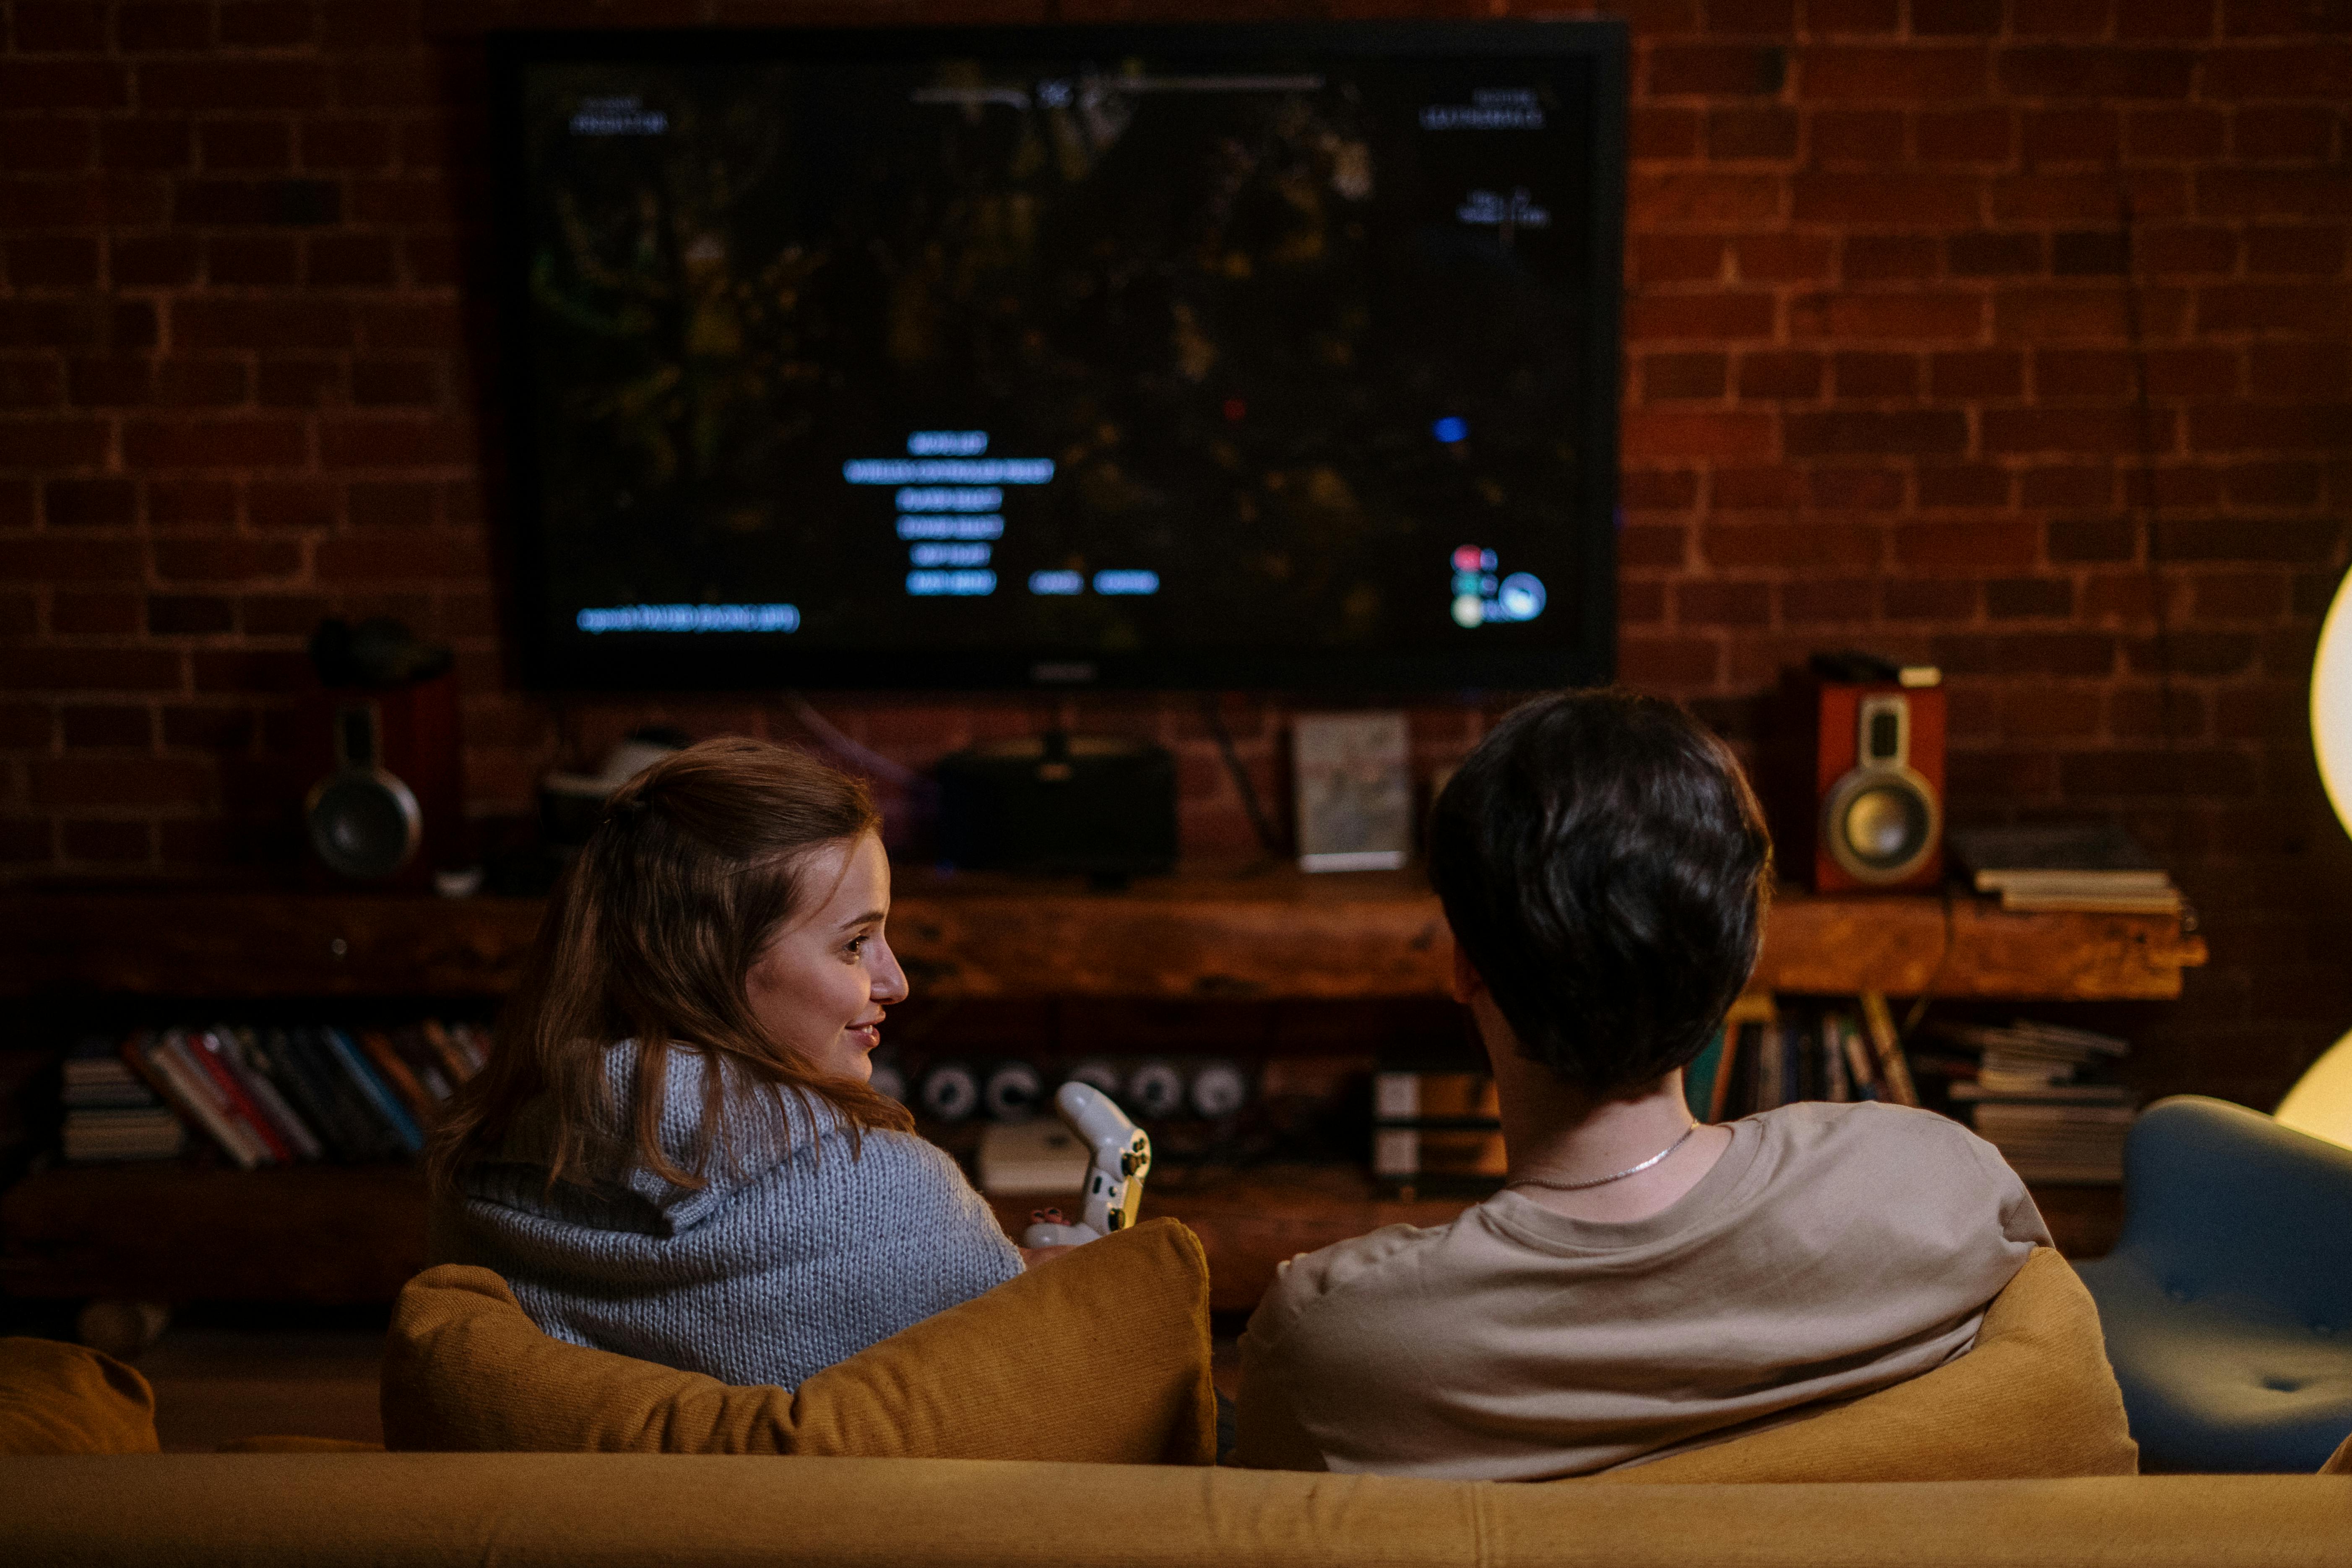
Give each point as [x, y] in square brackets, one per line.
[1025, 1159]
[1353, 782]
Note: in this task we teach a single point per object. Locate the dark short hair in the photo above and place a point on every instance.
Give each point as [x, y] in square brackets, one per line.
[1604, 865]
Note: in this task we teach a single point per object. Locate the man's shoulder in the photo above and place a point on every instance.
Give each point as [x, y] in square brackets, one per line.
[1906, 1143]
[1861, 1123]
[1359, 1270]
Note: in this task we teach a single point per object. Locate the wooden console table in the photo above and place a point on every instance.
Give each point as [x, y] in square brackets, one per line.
[326, 1233]
[1208, 934]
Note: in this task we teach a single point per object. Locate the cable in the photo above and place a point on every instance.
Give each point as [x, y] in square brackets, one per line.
[1935, 976]
[1269, 840]
[874, 762]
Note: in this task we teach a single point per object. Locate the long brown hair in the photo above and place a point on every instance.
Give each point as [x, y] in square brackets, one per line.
[695, 865]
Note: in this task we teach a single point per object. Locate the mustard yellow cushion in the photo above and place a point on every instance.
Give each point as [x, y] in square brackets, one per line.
[2033, 1399]
[68, 1399]
[1100, 1357]
[2339, 1463]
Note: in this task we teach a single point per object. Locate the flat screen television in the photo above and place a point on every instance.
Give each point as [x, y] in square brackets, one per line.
[1213, 357]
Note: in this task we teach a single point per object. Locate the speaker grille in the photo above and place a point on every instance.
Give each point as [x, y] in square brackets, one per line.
[1880, 824]
[364, 824]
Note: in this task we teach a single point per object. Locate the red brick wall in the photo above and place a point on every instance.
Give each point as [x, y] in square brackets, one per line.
[1880, 389]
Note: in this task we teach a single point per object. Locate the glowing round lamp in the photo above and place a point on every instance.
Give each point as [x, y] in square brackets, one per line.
[2321, 1101]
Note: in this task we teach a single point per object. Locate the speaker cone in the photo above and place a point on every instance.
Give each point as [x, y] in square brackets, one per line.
[1880, 824]
[364, 823]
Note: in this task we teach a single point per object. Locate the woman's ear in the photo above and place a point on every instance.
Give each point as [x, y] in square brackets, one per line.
[1467, 984]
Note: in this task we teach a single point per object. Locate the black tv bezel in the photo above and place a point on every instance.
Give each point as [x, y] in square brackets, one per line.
[697, 665]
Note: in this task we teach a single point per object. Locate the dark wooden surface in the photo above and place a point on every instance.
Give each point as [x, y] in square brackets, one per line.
[317, 1235]
[321, 1234]
[1202, 935]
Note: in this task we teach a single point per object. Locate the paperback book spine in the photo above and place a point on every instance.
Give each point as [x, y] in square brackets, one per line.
[236, 1047]
[271, 1053]
[1887, 1049]
[381, 1098]
[188, 1091]
[394, 1072]
[368, 1134]
[214, 1060]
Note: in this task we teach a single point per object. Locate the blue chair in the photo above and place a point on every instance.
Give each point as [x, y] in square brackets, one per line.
[2227, 1305]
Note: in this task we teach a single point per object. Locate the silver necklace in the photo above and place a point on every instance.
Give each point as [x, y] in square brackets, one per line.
[1604, 1180]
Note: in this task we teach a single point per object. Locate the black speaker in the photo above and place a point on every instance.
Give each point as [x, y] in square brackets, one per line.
[388, 809]
[1093, 804]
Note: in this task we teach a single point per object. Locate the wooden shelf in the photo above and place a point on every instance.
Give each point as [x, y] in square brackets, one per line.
[1206, 934]
[329, 1235]
[333, 1235]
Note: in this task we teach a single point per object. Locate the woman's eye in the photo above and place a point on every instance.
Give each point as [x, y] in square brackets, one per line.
[857, 947]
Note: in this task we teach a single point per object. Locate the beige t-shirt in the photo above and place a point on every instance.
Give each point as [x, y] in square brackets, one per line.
[1833, 1250]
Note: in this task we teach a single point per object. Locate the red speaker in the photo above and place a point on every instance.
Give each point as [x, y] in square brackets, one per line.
[388, 808]
[1862, 790]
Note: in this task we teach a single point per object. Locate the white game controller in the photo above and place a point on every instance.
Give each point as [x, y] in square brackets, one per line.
[1122, 1154]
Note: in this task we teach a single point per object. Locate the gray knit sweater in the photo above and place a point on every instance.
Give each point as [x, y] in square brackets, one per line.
[794, 1256]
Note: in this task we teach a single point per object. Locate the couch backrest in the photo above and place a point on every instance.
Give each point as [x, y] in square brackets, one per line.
[2034, 1396]
[443, 1510]
[1100, 1357]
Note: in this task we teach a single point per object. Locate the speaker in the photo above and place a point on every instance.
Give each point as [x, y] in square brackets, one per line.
[388, 810]
[1862, 790]
[1096, 805]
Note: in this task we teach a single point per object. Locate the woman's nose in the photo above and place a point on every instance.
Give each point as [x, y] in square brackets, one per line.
[888, 982]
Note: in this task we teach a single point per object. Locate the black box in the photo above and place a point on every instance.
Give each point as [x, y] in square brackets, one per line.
[1091, 804]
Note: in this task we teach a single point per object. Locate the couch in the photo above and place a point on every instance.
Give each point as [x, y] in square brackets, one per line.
[426, 1510]
[2027, 1427]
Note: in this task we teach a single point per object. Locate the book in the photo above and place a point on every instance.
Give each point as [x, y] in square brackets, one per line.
[95, 1076]
[187, 1090]
[272, 1053]
[2058, 1143]
[456, 1067]
[2093, 867]
[152, 1133]
[394, 1073]
[2093, 900]
[212, 1058]
[1861, 1071]
[1836, 1086]
[1887, 1050]
[2051, 1093]
[416, 1049]
[367, 1134]
[287, 1123]
[2100, 848]
[1772, 1059]
[1698, 1079]
[383, 1103]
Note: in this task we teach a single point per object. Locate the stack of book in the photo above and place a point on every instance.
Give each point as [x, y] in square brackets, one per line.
[1436, 1127]
[110, 1113]
[2095, 868]
[283, 1096]
[1769, 1056]
[2026, 1101]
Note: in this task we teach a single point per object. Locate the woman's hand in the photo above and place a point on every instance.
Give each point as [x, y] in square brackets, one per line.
[1031, 1257]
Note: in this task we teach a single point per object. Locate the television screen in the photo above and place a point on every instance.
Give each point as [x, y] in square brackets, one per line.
[1209, 357]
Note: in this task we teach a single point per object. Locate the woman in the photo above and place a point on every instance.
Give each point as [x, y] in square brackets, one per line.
[674, 1151]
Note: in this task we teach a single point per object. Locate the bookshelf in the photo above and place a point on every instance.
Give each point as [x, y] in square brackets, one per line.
[334, 1235]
